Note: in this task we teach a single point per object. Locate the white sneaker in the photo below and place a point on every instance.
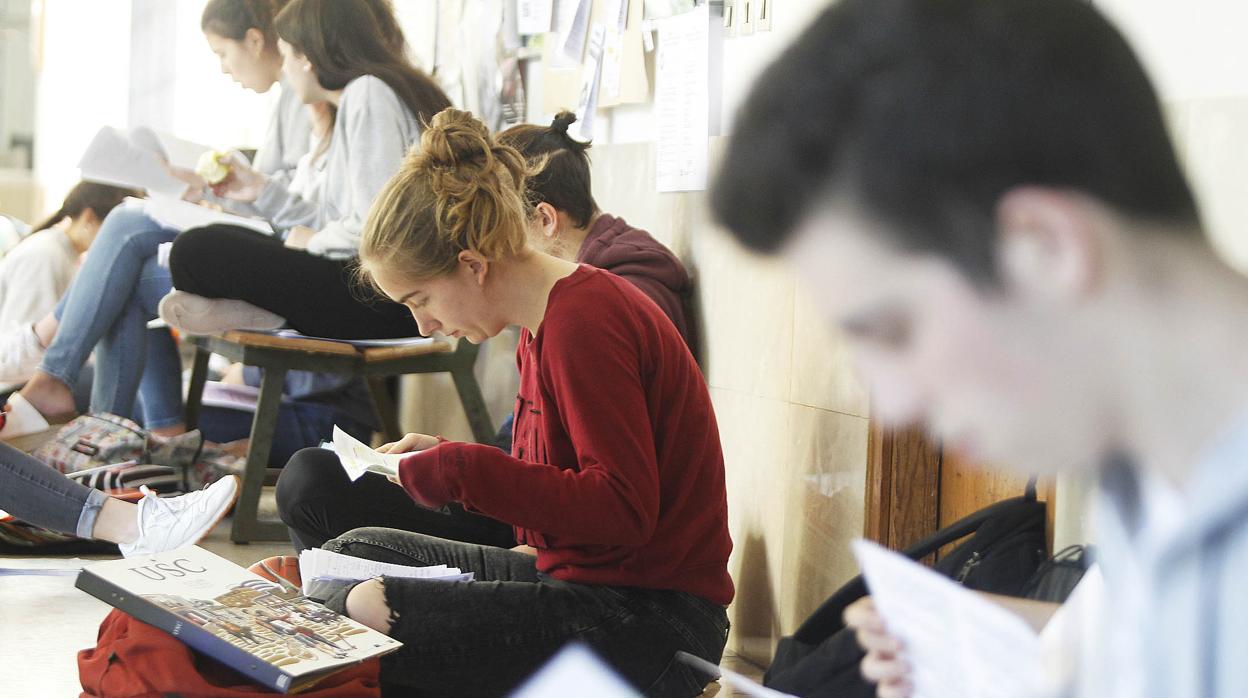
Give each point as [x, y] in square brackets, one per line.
[199, 315]
[20, 354]
[173, 522]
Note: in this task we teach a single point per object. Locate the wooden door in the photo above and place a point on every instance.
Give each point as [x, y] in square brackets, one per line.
[915, 487]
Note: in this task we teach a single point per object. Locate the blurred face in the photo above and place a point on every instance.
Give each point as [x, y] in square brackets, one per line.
[1001, 377]
[299, 74]
[244, 61]
[455, 304]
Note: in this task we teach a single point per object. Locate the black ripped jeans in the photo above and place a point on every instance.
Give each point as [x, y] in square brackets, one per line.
[317, 501]
[483, 638]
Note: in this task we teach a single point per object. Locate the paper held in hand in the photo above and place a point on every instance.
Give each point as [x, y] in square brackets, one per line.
[957, 643]
[357, 458]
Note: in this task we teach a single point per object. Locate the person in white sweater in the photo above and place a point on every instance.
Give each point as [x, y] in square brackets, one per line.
[380, 98]
[37, 271]
[232, 278]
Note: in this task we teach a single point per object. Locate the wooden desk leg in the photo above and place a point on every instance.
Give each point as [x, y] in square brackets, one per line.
[247, 525]
[195, 392]
[483, 430]
[385, 410]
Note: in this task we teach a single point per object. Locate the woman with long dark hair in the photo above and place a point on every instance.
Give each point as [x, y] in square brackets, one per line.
[332, 53]
[375, 125]
[35, 273]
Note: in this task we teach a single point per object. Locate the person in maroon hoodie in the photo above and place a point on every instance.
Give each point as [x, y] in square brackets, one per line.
[315, 498]
[616, 476]
[567, 223]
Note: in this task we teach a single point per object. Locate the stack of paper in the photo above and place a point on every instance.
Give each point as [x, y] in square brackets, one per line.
[318, 564]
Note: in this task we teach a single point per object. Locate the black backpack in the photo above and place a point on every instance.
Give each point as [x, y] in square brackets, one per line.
[1004, 553]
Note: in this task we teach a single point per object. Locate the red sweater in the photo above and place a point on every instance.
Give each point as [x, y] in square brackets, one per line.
[616, 474]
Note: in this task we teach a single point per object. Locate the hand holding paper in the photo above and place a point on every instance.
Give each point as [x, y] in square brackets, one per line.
[357, 458]
[956, 643]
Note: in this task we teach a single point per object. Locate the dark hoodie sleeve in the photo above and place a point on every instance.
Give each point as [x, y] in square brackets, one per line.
[656, 273]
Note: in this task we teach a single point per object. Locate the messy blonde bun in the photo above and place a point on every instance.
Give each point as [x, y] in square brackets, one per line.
[459, 190]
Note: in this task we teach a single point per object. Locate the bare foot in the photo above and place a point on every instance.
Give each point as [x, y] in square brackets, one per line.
[169, 431]
[238, 449]
[50, 396]
[46, 329]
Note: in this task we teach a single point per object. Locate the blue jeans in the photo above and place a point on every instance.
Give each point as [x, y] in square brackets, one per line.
[107, 309]
[39, 495]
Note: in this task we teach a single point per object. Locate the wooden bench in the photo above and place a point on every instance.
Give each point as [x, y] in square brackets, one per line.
[277, 355]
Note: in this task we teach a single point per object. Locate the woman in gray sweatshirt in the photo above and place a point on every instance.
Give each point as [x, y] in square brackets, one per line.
[332, 52]
[380, 98]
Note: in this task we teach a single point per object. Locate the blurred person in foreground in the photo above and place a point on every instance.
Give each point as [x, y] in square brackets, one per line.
[984, 197]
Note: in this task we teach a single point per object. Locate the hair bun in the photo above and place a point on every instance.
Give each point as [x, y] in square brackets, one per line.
[561, 122]
[455, 136]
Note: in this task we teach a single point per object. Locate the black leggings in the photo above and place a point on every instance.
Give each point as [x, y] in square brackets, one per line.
[318, 296]
[317, 502]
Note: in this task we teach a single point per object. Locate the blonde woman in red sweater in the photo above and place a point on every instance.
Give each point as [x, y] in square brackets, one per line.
[616, 475]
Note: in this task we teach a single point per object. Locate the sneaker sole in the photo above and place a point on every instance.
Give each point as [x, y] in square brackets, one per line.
[238, 490]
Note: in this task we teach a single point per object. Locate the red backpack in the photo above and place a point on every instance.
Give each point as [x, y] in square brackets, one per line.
[132, 659]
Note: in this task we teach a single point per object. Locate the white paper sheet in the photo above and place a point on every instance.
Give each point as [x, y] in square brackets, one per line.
[362, 343]
[181, 215]
[957, 643]
[40, 567]
[575, 671]
[612, 55]
[575, 33]
[587, 104]
[112, 158]
[533, 16]
[682, 101]
[231, 396]
[316, 563]
[357, 458]
[615, 14]
[739, 682]
[176, 151]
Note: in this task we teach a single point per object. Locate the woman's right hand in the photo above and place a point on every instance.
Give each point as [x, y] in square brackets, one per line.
[194, 183]
[242, 183]
[884, 664]
[409, 443]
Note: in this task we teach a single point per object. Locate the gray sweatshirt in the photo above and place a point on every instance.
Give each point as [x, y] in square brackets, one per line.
[286, 140]
[373, 131]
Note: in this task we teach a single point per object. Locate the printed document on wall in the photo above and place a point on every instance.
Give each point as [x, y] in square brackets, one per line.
[682, 100]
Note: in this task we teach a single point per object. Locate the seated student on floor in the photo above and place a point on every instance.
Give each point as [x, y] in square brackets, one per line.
[124, 266]
[618, 475]
[36, 272]
[314, 496]
[985, 199]
[380, 98]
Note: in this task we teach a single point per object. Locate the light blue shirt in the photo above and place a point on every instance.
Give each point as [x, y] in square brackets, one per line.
[1173, 619]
